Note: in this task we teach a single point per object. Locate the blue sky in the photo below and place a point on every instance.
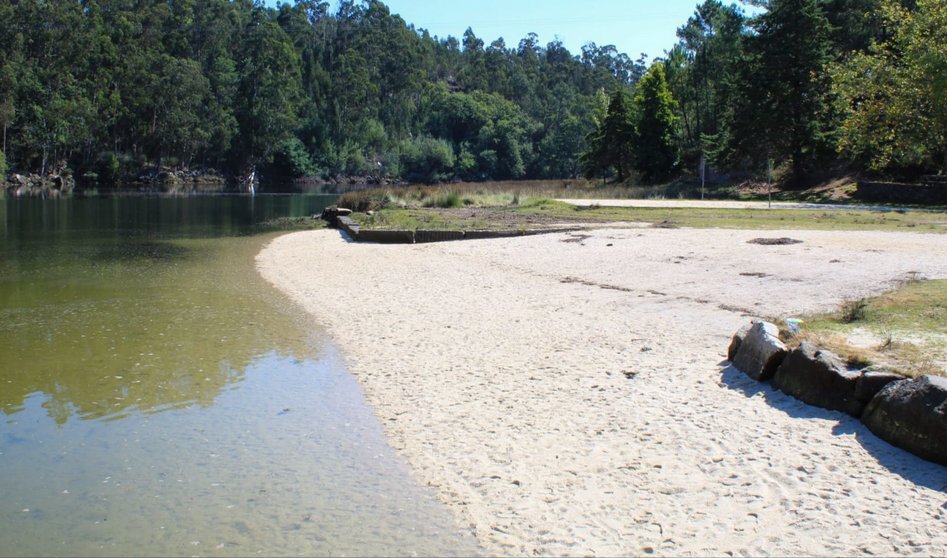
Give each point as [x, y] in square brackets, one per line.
[633, 26]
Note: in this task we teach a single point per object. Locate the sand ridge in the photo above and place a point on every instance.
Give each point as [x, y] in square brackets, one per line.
[567, 393]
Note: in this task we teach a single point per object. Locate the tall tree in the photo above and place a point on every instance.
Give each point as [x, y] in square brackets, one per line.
[703, 70]
[611, 144]
[784, 108]
[655, 111]
[269, 90]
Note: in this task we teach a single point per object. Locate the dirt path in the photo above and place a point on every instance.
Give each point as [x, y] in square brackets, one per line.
[727, 204]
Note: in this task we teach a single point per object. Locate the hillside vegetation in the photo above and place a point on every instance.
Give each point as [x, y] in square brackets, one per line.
[107, 90]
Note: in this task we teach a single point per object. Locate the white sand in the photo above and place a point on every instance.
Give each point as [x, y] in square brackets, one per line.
[498, 368]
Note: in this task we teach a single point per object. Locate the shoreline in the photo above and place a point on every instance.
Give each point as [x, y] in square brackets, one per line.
[565, 395]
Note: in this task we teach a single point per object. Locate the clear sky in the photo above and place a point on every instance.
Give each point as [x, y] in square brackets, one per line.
[633, 26]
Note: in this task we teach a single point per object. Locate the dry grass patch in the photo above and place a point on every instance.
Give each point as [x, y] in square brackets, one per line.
[904, 330]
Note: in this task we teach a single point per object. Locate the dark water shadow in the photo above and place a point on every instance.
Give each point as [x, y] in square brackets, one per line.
[137, 250]
[900, 462]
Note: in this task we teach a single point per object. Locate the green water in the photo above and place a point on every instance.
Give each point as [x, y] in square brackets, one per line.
[158, 398]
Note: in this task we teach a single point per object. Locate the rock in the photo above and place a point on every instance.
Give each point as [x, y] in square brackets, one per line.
[782, 241]
[334, 215]
[738, 340]
[819, 378]
[760, 352]
[912, 414]
[871, 382]
[18, 179]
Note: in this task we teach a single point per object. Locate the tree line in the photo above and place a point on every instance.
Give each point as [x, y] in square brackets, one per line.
[107, 89]
[815, 87]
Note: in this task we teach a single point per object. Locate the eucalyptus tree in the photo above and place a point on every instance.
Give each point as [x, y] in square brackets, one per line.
[269, 89]
[703, 69]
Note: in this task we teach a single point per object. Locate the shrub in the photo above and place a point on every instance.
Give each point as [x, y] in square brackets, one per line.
[426, 159]
[365, 200]
[107, 170]
[445, 199]
[854, 310]
[293, 160]
[3, 167]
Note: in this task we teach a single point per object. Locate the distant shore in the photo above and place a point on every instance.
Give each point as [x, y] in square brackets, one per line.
[565, 393]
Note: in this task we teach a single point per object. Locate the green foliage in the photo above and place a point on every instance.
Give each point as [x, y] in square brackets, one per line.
[3, 167]
[444, 200]
[229, 85]
[426, 159]
[357, 91]
[895, 92]
[783, 109]
[107, 169]
[655, 110]
[293, 161]
[268, 90]
[702, 71]
[611, 145]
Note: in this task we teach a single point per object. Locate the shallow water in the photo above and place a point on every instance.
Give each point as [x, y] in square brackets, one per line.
[159, 398]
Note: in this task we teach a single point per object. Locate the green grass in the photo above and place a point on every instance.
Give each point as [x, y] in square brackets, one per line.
[538, 211]
[289, 224]
[905, 329]
[528, 204]
[414, 219]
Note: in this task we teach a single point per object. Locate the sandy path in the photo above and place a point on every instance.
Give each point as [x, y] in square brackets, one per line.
[720, 204]
[565, 392]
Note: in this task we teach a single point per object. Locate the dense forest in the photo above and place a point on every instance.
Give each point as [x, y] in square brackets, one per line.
[108, 89]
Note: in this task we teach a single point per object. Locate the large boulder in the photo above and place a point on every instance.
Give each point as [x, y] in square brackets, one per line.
[912, 414]
[737, 340]
[760, 352]
[872, 381]
[819, 378]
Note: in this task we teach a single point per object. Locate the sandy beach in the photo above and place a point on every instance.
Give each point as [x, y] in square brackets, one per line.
[568, 394]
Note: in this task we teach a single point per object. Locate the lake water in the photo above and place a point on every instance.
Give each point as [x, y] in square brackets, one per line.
[159, 398]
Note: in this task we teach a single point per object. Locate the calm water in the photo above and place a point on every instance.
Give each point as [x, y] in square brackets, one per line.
[158, 398]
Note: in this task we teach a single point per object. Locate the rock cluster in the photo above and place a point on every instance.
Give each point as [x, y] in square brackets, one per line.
[36, 186]
[183, 181]
[908, 413]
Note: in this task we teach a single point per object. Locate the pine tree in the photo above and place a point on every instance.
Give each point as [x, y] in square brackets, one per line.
[783, 109]
[656, 150]
[610, 145]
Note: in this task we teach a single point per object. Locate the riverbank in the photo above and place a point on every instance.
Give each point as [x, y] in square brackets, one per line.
[565, 393]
